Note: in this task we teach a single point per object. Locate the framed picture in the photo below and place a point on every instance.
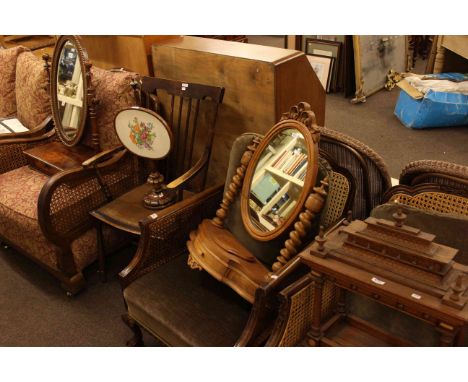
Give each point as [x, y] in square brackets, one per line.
[323, 68]
[143, 132]
[327, 48]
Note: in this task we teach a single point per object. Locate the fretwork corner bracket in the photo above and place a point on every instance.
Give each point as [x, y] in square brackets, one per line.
[303, 113]
[313, 206]
[236, 183]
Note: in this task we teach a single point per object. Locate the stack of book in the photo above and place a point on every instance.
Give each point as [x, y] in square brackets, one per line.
[291, 163]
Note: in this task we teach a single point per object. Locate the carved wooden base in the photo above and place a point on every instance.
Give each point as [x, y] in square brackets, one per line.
[137, 339]
[159, 197]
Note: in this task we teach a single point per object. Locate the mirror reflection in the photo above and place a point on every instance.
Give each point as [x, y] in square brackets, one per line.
[278, 180]
[70, 90]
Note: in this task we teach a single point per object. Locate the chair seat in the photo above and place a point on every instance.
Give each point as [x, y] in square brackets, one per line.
[184, 307]
[19, 223]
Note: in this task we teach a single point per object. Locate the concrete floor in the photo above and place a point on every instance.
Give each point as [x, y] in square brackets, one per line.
[375, 124]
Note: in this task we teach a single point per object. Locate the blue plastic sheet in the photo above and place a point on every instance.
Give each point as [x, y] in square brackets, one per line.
[435, 109]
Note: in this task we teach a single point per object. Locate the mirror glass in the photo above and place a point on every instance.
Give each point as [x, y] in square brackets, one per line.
[70, 90]
[278, 180]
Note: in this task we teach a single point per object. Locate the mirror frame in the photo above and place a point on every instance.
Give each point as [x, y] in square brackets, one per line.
[311, 141]
[85, 68]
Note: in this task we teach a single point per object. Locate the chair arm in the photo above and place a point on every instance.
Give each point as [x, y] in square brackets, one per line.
[164, 234]
[103, 156]
[264, 310]
[46, 125]
[67, 197]
[190, 174]
[11, 149]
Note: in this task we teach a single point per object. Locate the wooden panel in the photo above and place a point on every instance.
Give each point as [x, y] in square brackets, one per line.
[457, 44]
[296, 81]
[130, 52]
[252, 81]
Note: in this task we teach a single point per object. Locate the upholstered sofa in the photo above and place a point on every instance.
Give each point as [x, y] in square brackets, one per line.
[47, 218]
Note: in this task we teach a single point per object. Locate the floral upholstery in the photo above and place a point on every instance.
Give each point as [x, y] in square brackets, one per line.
[8, 59]
[19, 224]
[32, 95]
[114, 93]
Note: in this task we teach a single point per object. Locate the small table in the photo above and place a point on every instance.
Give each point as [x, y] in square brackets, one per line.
[123, 213]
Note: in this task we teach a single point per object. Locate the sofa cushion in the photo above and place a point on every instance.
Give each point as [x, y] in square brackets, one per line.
[185, 307]
[114, 93]
[19, 224]
[32, 95]
[446, 227]
[8, 59]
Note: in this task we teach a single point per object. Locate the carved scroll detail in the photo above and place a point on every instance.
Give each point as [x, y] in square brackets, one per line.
[236, 183]
[304, 114]
[313, 206]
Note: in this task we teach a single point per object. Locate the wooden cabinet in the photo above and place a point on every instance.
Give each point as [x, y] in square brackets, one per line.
[399, 272]
[260, 84]
[129, 52]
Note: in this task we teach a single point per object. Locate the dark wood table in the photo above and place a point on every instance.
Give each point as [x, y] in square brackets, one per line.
[123, 213]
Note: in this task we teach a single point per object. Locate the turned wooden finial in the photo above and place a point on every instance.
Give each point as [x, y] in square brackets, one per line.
[399, 217]
[320, 239]
[236, 183]
[457, 289]
[349, 218]
[313, 205]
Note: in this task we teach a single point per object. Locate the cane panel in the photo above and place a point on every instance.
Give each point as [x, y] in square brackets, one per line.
[435, 201]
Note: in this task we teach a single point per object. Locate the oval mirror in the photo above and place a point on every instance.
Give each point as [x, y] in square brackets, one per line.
[278, 180]
[69, 89]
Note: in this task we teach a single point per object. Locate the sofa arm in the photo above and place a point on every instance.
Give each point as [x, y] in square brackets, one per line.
[11, 149]
[164, 234]
[67, 198]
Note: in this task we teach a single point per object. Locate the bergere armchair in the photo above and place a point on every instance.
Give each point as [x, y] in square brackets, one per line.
[367, 167]
[52, 211]
[434, 196]
[204, 307]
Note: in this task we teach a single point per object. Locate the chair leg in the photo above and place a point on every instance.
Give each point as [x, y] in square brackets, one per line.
[74, 284]
[137, 339]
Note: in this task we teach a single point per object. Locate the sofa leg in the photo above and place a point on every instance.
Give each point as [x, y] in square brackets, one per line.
[74, 284]
[137, 339]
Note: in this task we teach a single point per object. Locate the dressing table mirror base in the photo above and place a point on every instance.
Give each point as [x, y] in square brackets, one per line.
[159, 197]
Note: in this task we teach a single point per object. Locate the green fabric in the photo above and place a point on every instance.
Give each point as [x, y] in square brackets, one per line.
[450, 229]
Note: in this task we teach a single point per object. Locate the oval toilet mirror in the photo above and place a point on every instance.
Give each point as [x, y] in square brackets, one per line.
[278, 180]
[69, 89]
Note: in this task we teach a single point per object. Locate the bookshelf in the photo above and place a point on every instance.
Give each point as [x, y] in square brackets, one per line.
[278, 180]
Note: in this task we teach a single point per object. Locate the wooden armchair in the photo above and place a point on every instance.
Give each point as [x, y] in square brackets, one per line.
[184, 307]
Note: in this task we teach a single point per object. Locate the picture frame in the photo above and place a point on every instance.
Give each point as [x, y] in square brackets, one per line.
[374, 56]
[323, 68]
[327, 48]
